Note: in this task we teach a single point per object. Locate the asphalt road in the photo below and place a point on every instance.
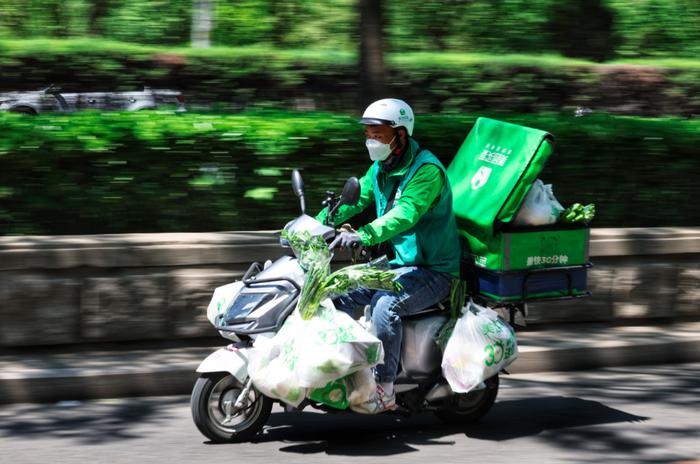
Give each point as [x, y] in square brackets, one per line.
[645, 414]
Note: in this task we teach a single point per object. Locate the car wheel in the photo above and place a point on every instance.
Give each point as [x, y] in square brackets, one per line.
[23, 110]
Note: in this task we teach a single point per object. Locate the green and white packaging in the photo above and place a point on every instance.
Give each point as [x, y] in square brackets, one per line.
[531, 248]
[490, 177]
[480, 346]
[309, 353]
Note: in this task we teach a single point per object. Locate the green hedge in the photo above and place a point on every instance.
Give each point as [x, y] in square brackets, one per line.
[236, 78]
[155, 171]
[597, 29]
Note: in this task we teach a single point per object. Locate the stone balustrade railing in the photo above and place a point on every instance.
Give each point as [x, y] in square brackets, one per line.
[77, 289]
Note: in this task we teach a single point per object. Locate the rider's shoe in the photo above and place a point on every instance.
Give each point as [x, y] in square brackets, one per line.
[380, 401]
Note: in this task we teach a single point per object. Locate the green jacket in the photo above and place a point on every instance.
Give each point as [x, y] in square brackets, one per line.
[420, 225]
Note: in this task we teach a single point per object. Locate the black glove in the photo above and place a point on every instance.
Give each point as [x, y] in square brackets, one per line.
[346, 240]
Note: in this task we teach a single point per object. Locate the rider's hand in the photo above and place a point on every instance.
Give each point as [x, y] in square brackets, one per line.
[346, 228]
[346, 240]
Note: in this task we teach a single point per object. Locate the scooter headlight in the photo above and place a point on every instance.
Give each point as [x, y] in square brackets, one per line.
[261, 306]
[245, 304]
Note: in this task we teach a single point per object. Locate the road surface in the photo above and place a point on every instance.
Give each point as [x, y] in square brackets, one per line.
[645, 414]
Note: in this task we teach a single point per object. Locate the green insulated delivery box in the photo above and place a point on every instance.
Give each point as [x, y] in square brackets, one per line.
[517, 248]
[490, 177]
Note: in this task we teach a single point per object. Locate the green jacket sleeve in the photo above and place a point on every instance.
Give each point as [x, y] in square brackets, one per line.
[418, 196]
[345, 212]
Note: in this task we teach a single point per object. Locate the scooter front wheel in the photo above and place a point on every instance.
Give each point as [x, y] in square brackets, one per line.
[215, 413]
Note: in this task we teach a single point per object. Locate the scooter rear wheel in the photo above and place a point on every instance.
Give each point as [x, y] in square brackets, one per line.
[213, 397]
[466, 408]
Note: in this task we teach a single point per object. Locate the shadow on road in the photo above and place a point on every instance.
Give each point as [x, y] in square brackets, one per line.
[88, 424]
[522, 418]
[385, 435]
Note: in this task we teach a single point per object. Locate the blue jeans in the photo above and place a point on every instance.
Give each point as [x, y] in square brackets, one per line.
[422, 288]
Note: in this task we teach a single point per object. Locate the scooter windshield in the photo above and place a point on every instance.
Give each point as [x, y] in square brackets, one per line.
[306, 223]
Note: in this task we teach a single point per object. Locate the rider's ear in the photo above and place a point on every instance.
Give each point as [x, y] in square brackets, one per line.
[403, 133]
[402, 137]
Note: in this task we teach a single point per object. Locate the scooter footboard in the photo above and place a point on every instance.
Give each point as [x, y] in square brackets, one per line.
[228, 359]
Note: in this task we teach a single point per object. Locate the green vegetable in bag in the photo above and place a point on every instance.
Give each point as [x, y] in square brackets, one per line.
[329, 367]
[315, 259]
[578, 213]
[319, 283]
[360, 275]
[458, 299]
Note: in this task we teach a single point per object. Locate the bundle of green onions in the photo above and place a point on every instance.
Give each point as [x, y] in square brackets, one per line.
[319, 283]
[578, 213]
[360, 275]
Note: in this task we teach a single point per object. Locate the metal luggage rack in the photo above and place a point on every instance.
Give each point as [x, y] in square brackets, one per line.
[513, 306]
[570, 290]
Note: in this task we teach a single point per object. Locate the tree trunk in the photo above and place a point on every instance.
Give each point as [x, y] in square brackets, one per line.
[58, 16]
[372, 72]
[98, 10]
[202, 23]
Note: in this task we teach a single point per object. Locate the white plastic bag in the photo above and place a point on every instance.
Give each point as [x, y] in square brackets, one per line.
[267, 366]
[361, 386]
[221, 301]
[307, 354]
[539, 207]
[480, 346]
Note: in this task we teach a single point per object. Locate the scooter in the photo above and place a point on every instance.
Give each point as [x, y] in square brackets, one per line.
[226, 407]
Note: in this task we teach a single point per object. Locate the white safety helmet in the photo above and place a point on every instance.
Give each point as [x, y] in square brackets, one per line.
[391, 112]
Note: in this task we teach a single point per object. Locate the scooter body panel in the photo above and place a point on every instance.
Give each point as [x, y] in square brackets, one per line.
[421, 357]
[228, 359]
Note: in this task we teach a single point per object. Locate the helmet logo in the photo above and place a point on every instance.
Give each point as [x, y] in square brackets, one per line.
[481, 177]
[402, 112]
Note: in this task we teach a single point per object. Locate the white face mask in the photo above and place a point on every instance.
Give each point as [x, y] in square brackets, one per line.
[378, 151]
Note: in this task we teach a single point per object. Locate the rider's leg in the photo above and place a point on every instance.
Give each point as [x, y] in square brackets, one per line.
[349, 302]
[421, 288]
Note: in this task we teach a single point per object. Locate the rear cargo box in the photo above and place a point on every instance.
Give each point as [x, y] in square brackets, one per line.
[532, 248]
[490, 177]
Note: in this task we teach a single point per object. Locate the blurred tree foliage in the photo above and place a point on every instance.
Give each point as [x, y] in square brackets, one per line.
[243, 22]
[150, 22]
[154, 171]
[500, 26]
[294, 23]
[242, 77]
[597, 29]
[658, 27]
[43, 18]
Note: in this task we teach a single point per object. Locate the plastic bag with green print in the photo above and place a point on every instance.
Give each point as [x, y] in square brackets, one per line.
[347, 392]
[480, 345]
[307, 354]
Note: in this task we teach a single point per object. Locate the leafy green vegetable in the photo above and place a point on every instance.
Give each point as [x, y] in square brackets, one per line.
[315, 257]
[445, 333]
[578, 213]
[360, 275]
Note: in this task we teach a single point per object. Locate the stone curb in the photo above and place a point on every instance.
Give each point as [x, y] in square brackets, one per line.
[91, 375]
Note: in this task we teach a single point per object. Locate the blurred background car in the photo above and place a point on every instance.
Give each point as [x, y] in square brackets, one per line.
[52, 99]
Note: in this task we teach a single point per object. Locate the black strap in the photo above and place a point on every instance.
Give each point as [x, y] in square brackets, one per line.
[394, 189]
[384, 248]
[392, 197]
